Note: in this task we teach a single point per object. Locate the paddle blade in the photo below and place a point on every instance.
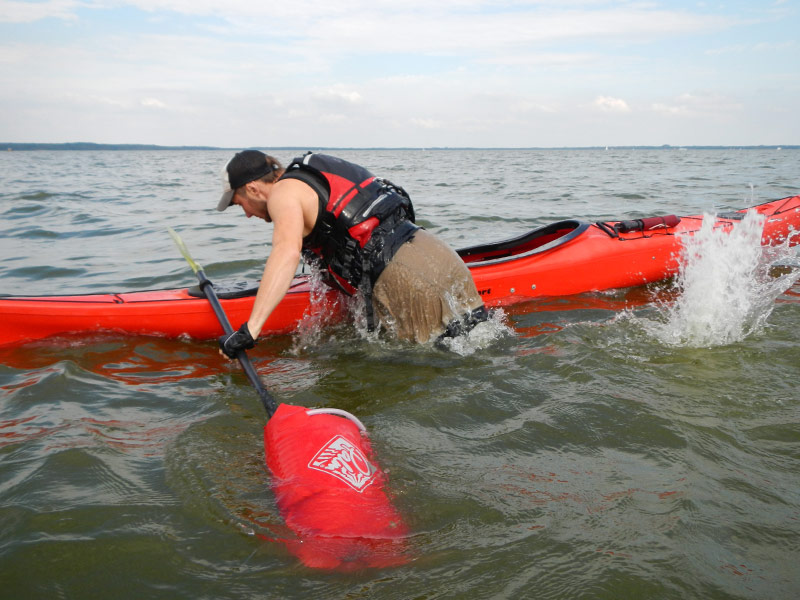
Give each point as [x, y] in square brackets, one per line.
[330, 493]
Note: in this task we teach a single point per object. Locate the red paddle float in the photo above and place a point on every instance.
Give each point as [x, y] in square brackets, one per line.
[330, 492]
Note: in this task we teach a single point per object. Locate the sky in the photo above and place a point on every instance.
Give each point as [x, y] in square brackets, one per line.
[400, 73]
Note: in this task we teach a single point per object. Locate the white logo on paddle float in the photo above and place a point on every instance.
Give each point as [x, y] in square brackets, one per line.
[340, 458]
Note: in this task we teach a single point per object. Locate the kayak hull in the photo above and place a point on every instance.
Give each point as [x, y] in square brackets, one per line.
[565, 258]
[166, 313]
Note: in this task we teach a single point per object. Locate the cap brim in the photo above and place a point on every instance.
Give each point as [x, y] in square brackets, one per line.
[225, 201]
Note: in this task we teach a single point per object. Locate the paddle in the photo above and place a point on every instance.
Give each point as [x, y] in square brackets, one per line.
[327, 487]
[208, 289]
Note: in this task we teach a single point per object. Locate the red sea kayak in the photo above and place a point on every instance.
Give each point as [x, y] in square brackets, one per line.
[563, 258]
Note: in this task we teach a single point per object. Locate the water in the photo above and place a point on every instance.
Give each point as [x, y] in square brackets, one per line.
[603, 446]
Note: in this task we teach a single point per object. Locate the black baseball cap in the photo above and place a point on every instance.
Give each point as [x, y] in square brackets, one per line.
[244, 167]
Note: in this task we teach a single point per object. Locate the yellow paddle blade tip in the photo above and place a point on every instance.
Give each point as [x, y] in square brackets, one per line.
[183, 249]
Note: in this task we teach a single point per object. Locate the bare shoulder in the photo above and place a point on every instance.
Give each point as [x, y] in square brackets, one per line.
[291, 195]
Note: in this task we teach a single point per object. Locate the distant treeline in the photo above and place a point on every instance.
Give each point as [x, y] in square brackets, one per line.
[91, 146]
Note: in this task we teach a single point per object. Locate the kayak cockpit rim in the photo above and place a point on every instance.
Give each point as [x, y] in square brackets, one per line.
[536, 241]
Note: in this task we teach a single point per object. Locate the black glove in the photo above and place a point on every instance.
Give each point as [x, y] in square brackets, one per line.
[238, 340]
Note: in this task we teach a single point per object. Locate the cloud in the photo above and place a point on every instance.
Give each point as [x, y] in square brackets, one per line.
[541, 59]
[757, 47]
[609, 104]
[468, 27]
[152, 103]
[513, 34]
[361, 72]
[12, 11]
[708, 105]
[339, 94]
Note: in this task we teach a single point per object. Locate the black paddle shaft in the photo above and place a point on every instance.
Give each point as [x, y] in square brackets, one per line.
[208, 289]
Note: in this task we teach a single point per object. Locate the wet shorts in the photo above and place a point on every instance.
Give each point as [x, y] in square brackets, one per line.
[425, 291]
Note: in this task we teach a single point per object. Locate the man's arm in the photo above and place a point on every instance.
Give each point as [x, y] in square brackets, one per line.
[286, 212]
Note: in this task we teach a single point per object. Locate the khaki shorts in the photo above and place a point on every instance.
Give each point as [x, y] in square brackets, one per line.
[424, 288]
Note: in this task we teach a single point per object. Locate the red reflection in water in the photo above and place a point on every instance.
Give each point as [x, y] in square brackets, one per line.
[792, 295]
[19, 431]
[614, 301]
[129, 360]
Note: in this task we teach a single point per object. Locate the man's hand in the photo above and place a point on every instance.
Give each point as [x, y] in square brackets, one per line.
[238, 340]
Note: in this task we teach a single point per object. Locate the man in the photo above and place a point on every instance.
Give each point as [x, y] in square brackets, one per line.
[361, 229]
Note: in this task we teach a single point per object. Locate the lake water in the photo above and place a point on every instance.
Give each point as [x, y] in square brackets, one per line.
[600, 446]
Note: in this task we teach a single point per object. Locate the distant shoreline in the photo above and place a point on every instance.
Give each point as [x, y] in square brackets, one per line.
[83, 146]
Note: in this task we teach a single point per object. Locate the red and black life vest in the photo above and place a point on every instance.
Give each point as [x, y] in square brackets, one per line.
[361, 222]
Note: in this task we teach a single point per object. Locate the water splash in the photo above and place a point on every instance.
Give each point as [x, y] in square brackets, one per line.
[325, 308]
[330, 309]
[480, 337]
[726, 291]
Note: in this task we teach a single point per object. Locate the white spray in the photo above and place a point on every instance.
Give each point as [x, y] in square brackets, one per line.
[726, 292]
[322, 311]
